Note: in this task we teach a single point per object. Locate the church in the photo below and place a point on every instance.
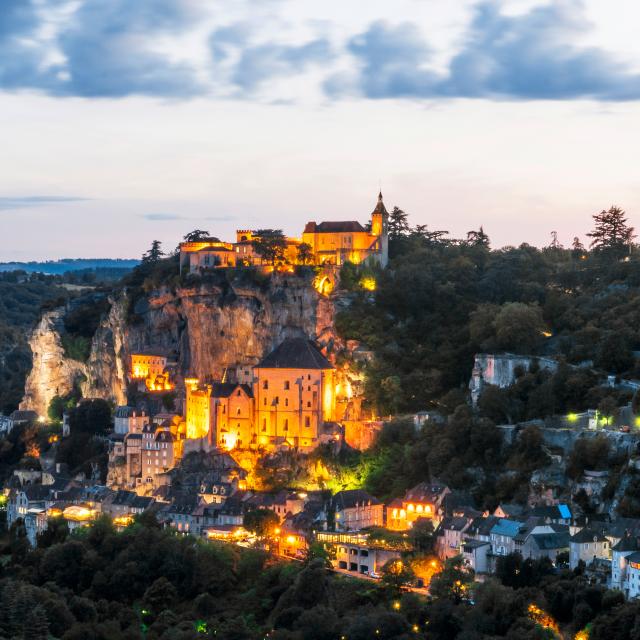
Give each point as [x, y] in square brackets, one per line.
[329, 243]
[290, 402]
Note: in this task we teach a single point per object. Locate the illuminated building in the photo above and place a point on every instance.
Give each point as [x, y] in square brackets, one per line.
[330, 242]
[152, 368]
[348, 241]
[355, 509]
[290, 399]
[211, 253]
[232, 414]
[294, 395]
[356, 553]
[423, 501]
[198, 408]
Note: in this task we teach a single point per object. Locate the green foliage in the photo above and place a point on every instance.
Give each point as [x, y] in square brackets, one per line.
[440, 302]
[588, 453]
[270, 245]
[76, 347]
[262, 522]
[453, 582]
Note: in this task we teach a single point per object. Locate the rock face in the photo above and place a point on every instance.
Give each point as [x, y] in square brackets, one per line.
[206, 328]
[500, 370]
[52, 374]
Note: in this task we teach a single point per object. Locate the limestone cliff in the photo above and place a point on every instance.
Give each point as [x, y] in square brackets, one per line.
[207, 327]
[51, 374]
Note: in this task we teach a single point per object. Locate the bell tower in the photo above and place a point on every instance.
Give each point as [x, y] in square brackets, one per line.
[380, 228]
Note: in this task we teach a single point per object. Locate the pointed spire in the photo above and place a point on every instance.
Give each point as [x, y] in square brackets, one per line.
[380, 208]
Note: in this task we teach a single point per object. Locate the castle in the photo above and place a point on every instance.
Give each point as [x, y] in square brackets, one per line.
[328, 243]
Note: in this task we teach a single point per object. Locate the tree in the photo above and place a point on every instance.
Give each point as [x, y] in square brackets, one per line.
[197, 235]
[518, 327]
[577, 249]
[305, 253]
[160, 595]
[398, 224]
[262, 522]
[397, 575]
[452, 583]
[478, 238]
[270, 245]
[422, 535]
[154, 254]
[90, 416]
[611, 233]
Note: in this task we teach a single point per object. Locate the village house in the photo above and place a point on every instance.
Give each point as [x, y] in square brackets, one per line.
[356, 553]
[450, 535]
[422, 501]
[620, 553]
[545, 542]
[355, 509]
[588, 545]
[476, 555]
[503, 536]
[129, 420]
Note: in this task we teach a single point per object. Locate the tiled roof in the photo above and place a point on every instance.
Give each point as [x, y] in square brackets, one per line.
[347, 226]
[508, 528]
[353, 498]
[628, 543]
[548, 541]
[225, 389]
[295, 353]
[588, 535]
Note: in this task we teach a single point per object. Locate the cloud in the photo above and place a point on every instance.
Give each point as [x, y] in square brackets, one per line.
[104, 48]
[120, 48]
[252, 65]
[162, 216]
[10, 203]
[522, 57]
[108, 54]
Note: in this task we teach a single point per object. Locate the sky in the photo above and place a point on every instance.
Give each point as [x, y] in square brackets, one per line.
[126, 121]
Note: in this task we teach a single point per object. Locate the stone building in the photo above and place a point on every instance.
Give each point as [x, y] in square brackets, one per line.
[332, 243]
[355, 509]
[294, 395]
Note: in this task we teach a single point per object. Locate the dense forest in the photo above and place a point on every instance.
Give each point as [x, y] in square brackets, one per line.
[443, 300]
[146, 582]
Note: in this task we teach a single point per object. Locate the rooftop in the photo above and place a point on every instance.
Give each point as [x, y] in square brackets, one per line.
[295, 353]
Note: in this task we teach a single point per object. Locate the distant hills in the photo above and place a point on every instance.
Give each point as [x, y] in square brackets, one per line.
[57, 267]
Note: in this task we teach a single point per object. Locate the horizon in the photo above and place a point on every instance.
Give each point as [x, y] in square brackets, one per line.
[125, 123]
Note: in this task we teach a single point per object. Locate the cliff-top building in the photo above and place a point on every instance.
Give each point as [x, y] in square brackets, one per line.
[289, 401]
[332, 242]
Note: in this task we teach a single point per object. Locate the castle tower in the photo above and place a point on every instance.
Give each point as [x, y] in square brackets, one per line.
[380, 228]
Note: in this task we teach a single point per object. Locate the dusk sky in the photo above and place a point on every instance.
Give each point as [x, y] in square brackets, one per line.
[122, 121]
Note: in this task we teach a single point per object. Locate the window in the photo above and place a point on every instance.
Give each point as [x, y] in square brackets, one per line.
[308, 404]
[265, 402]
[238, 411]
[238, 392]
[307, 421]
[286, 385]
[286, 425]
[286, 402]
[264, 425]
[265, 384]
